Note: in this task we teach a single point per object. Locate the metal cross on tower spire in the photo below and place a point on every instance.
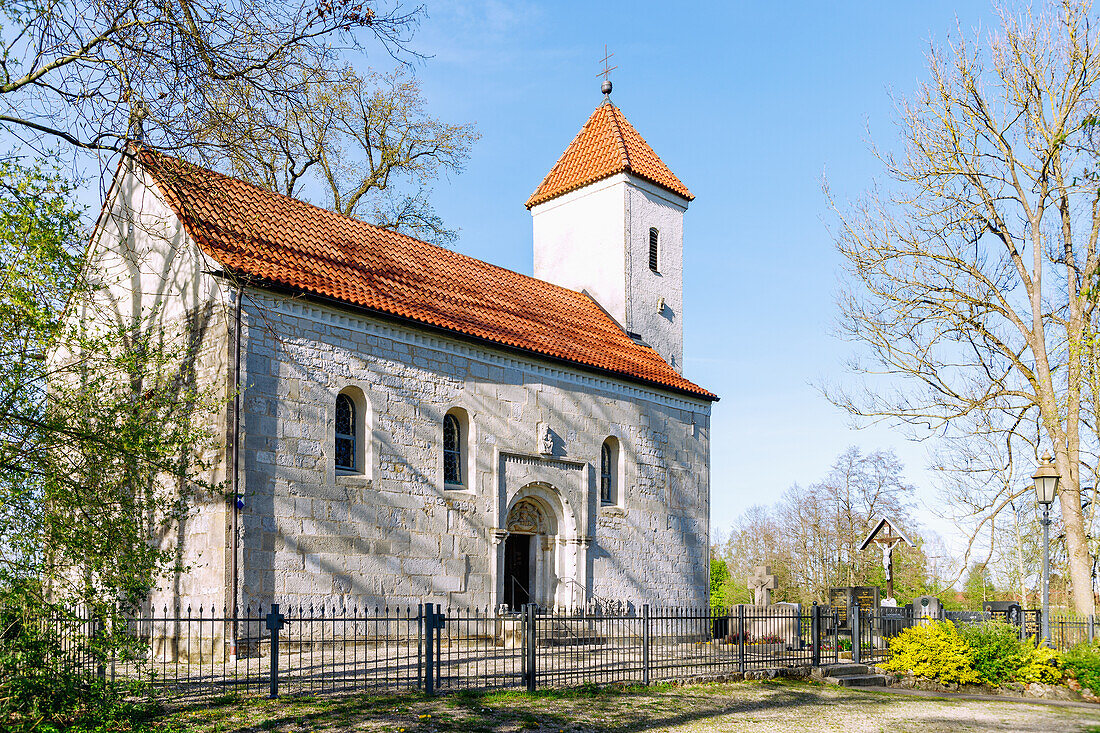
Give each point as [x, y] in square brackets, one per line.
[606, 73]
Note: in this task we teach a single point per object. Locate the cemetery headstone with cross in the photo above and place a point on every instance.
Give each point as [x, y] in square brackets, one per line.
[763, 583]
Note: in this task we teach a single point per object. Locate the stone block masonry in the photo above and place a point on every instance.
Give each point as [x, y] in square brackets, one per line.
[391, 532]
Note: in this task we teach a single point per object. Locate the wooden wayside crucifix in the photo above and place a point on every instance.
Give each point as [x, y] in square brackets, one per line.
[887, 536]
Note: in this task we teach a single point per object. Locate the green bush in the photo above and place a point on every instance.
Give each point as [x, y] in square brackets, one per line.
[1040, 665]
[1082, 662]
[989, 652]
[998, 652]
[43, 689]
[934, 650]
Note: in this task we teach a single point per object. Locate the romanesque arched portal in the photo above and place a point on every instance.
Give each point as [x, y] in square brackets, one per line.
[538, 556]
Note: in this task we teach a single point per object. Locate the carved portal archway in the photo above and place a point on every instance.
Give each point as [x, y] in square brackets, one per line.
[538, 553]
[527, 517]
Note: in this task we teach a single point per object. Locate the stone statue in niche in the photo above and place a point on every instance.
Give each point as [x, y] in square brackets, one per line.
[525, 517]
[545, 439]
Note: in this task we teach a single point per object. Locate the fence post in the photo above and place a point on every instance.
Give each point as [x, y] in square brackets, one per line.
[1092, 627]
[815, 634]
[97, 647]
[857, 640]
[420, 647]
[427, 612]
[645, 644]
[529, 639]
[440, 622]
[274, 623]
[741, 638]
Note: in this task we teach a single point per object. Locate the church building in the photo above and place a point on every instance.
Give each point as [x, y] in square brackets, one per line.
[402, 422]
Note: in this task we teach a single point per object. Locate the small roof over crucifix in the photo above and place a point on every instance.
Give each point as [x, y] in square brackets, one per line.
[892, 536]
[606, 73]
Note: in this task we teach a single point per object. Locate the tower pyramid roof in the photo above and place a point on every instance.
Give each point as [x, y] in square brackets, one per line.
[605, 146]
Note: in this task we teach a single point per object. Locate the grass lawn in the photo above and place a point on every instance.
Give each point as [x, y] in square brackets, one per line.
[742, 706]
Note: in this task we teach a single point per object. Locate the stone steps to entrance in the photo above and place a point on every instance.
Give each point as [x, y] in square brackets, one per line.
[859, 680]
[851, 675]
[571, 640]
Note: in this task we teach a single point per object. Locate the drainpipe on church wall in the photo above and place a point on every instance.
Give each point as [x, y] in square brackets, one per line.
[235, 440]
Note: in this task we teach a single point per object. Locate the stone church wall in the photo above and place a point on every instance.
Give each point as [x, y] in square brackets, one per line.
[391, 533]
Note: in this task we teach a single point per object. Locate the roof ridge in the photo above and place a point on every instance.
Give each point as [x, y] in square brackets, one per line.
[625, 151]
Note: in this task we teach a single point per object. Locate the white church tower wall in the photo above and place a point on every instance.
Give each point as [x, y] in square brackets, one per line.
[579, 242]
[655, 297]
[597, 240]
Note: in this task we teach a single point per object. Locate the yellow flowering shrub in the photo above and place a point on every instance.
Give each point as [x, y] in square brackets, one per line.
[1040, 665]
[933, 650]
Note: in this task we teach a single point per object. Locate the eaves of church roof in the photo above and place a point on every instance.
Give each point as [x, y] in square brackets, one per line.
[275, 239]
[607, 145]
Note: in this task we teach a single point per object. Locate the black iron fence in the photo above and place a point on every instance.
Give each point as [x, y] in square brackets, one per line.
[280, 650]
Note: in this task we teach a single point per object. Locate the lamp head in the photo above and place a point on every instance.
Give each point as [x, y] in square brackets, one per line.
[1046, 481]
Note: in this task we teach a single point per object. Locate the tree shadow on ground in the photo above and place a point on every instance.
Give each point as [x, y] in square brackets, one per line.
[630, 710]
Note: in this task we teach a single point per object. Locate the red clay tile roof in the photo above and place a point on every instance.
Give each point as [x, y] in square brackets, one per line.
[606, 145]
[283, 241]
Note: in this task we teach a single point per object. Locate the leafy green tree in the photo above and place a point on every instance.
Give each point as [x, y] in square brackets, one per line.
[978, 586]
[721, 591]
[99, 438]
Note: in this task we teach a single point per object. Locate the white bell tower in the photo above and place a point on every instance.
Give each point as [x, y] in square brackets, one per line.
[608, 220]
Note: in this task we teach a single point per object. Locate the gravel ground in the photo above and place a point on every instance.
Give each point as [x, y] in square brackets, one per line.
[743, 706]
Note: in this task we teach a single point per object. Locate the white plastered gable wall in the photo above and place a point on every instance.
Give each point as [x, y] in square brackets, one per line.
[153, 275]
[147, 262]
[596, 240]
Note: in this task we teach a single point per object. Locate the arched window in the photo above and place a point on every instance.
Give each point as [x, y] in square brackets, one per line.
[654, 237]
[608, 471]
[452, 450]
[345, 433]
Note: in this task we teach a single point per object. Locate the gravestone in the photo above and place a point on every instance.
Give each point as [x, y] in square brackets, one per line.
[791, 631]
[927, 607]
[780, 623]
[892, 618]
[838, 599]
[1010, 611]
[1033, 624]
[867, 596]
[765, 621]
[762, 583]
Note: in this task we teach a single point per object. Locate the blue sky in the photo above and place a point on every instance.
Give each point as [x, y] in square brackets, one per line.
[752, 105]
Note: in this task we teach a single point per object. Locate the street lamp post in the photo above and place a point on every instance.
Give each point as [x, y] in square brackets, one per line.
[1046, 486]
